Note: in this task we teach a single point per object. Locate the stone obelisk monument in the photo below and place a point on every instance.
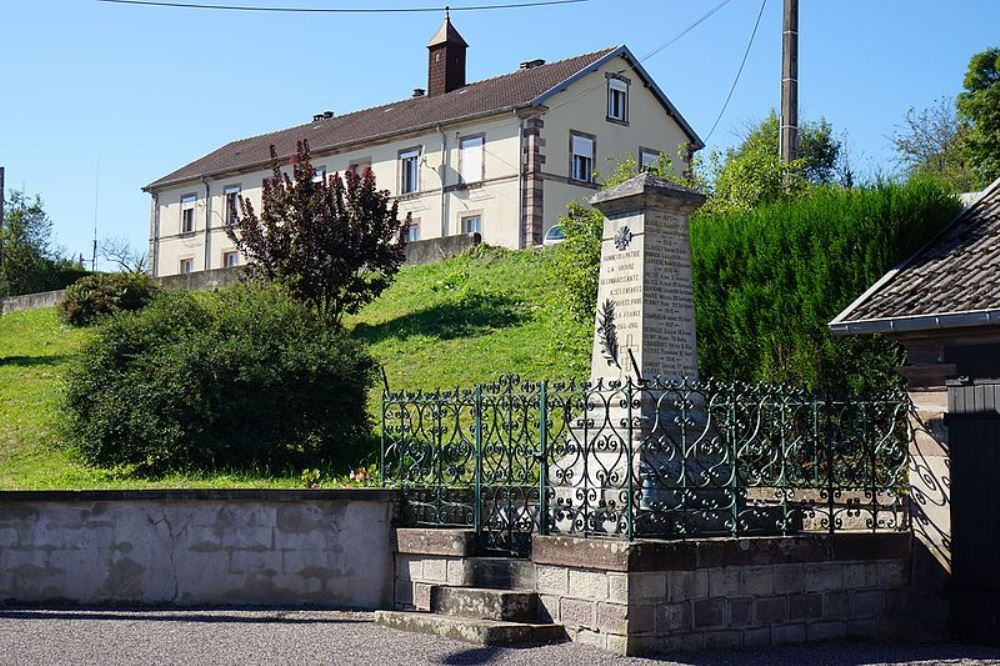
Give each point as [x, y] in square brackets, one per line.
[645, 299]
[620, 452]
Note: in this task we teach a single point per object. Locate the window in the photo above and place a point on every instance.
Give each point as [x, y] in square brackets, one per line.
[648, 159]
[360, 167]
[409, 171]
[319, 174]
[187, 212]
[581, 157]
[232, 197]
[230, 259]
[187, 266]
[617, 99]
[413, 231]
[472, 224]
[470, 158]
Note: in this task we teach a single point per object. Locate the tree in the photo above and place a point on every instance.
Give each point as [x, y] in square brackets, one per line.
[979, 105]
[118, 251]
[753, 173]
[931, 143]
[29, 261]
[335, 243]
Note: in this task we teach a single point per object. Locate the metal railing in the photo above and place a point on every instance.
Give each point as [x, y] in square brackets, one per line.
[656, 458]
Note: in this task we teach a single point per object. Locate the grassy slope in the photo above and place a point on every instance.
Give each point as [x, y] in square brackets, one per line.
[458, 322]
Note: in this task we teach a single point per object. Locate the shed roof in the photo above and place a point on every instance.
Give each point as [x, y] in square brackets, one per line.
[953, 281]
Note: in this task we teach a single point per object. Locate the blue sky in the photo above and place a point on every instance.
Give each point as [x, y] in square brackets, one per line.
[145, 90]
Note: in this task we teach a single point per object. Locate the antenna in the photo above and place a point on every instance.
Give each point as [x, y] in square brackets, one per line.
[97, 191]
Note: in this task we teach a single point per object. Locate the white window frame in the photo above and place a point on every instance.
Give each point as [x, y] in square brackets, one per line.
[581, 171]
[472, 167]
[618, 89]
[409, 158]
[186, 261]
[189, 202]
[225, 258]
[464, 222]
[231, 203]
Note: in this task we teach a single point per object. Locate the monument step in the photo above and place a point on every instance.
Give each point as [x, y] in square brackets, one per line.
[484, 603]
[502, 573]
[472, 630]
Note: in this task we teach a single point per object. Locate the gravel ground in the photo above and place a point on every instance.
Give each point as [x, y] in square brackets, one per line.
[76, 636]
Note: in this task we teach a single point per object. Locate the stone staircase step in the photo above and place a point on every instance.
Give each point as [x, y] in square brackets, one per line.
[472, 630]
[502, 573]
[484, 603]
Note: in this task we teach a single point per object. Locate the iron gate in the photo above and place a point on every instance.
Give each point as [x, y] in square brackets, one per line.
[654, 457]
[974, 446]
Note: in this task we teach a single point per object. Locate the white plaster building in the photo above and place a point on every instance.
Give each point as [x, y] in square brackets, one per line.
[502, 156]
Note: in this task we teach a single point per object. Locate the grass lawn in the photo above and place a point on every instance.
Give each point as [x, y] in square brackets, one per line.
[455, 323]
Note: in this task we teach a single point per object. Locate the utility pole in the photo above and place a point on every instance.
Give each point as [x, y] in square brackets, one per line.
[789, 136]
[2, 194]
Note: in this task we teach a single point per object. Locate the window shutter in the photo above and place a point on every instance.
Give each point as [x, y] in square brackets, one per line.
[472, 159]
[583, 146]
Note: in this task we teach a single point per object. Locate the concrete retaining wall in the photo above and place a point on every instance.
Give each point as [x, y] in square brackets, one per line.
[42, 299]
[330, 548]
[417, 252]
[435, 249]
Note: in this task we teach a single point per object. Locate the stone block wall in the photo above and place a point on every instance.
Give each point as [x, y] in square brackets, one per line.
[651, 597]
[329, 548]
[425, 558]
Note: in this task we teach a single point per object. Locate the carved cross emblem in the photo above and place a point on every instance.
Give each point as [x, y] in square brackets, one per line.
[623, 237]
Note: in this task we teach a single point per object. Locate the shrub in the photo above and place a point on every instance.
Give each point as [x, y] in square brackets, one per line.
[94, 297]
[243, 378]
[768, 281]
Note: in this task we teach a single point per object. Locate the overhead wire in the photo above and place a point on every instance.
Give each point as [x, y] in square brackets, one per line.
[739, 72]
[342, 10]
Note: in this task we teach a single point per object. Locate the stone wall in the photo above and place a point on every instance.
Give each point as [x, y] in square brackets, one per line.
[330, 548]
[649, 597]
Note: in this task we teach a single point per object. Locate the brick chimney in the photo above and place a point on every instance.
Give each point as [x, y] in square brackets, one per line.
[446, 59]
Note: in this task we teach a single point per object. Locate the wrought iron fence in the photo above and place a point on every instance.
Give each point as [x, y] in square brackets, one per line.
[655, 457]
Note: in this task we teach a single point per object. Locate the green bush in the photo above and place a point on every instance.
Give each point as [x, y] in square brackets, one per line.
[96, 296]
[242, 378]
[768, 281]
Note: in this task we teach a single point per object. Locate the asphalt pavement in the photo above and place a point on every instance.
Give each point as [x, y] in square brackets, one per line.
[228, 636]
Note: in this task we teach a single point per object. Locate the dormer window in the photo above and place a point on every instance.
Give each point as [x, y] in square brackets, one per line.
[617, 99]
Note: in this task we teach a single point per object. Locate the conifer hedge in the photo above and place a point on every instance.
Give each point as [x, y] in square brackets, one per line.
[768, 281]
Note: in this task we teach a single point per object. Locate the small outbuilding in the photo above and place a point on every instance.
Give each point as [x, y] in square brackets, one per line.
[943, 305]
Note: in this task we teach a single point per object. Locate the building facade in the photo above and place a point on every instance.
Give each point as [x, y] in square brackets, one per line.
[501, 157]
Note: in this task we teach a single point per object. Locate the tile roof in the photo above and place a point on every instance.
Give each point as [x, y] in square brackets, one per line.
[506, 92]
[957, 273]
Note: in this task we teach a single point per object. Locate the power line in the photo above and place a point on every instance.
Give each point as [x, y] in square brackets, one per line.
[684, 31]
[340, 10]
[649, 55]
[738, 72]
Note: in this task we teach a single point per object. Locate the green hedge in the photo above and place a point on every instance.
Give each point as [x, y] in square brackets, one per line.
[99, 295]
[768, 281]
[242, 378]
